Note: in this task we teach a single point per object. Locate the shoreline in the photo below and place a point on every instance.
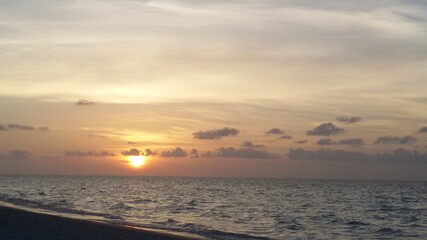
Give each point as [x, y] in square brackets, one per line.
[24, 223]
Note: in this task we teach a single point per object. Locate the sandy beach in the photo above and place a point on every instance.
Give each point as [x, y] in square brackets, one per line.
[17, 224]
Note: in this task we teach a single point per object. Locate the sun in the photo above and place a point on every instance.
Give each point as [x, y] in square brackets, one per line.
[137, 161]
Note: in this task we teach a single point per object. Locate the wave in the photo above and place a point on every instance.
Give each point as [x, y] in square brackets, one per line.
[56, 207]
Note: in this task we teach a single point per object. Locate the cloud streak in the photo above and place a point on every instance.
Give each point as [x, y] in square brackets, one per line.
[216, 133]
[349, 120]
[395, 140]
[78, 153]
[14, 126]
[84, 102]
[355, 142]
[399, 155]
[247, 153]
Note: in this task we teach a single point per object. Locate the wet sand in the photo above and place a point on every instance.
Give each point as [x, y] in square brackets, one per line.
[17, 224]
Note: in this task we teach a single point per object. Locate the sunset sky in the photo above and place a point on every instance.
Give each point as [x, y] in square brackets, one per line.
[227, 88]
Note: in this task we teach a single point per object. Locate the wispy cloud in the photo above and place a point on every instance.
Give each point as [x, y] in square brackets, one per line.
[399, 155]
[355, 142]
[248, 153]
[78, 153]
[16, 154]
[349, 120]
[84, 102]
[14, 126]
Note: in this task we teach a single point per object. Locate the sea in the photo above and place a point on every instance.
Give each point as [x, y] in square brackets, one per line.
[219, 208]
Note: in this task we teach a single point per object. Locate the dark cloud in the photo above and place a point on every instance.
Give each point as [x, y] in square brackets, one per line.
[89, 154]
[325, 129]
[326, 141]
[14, 126]
[132, 143]
[422, 130]
[301, 141]
[355, 142]
[399, 155]
[285, 137]
[207, 154]
[20, 127]
[216, 133]
[84, 102]
[349, 120]
[177, 152]
[395, 140]
[131, 152]
[275, 131]
[149, 152]
[194, 153]
[18, 154]
[249, 144]
[248, 153]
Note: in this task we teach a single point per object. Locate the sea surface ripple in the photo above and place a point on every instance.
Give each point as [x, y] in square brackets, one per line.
[235, 208]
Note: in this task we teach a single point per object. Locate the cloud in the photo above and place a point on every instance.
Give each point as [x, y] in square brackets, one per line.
[422, 130]
[326, 141]
[301, 141]
[325, 129]
[275, 131]
[349, 120]
[149, 152]
[248, 153]
[355, 142]
[94, 136]
[216, 133]
[207, 154]
[14, 126]
[132, 143]
[89, 154]
[399, 155]
[18, 154]
[177, 152]
[194, 153]
[395, 140]
[285, 137]
[131, 152]
[249, 144]
[84, 102]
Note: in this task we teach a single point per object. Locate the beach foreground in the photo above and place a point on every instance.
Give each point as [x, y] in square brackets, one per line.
[18, 224]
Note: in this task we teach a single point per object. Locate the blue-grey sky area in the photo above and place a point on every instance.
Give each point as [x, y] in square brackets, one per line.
[292, 89]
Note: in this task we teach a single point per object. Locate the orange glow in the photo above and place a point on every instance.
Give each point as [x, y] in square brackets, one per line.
[137, 161]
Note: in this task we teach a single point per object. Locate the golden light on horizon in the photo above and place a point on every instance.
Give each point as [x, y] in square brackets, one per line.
[137, 161]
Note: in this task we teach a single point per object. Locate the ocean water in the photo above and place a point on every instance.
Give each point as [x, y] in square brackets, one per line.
[235, 208]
